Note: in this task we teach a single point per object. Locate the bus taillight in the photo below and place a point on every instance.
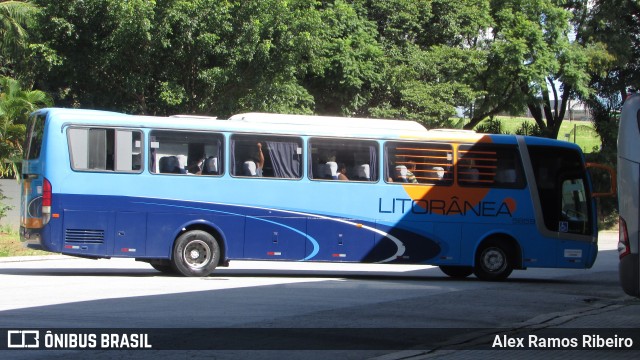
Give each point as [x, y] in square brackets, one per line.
[623, 240]
[46, 201]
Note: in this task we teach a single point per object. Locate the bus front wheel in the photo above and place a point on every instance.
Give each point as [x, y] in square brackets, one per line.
[196, 253]
[493, 261]
[457, 272]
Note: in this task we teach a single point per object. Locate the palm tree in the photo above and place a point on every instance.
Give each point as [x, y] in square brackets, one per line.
[13, 17]
[15, 106]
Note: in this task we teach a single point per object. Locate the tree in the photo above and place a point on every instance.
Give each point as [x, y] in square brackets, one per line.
[347, 62]
[15, 106]
[94, 53]
[533, 63]
[413, 59]
[273, 55]
[432, 57]
[617, 24]
[13, 35]
[260, 58]
[207, 56]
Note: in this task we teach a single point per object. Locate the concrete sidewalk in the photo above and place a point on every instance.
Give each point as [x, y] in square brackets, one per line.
[618, 321]
[617, 317]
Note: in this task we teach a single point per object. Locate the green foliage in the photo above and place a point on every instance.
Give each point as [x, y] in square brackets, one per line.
[410, 59]
[94, 53]
[491, 126]
[529, 128]
[605, 118]
[430, 71]
[209, 56]
[13, 15]
[15, 106]
[615, 24]
[13, 35]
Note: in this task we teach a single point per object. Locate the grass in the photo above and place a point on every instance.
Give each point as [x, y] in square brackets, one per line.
[10, 244]
[582, 131]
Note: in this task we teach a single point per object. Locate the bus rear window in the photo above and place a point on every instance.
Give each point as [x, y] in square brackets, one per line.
[34, 136]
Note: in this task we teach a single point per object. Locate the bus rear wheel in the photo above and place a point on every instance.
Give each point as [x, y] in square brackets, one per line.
[457, 272]
[493, 261]
[195, 253]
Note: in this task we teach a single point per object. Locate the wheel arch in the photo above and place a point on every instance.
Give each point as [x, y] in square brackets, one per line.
[210, 228]
[510, 242]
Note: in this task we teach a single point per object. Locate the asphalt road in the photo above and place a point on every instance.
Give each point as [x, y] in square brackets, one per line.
[60, 292]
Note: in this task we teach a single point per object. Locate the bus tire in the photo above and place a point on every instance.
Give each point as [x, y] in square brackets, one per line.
[195, 253]
[494, 261]
[457, 272]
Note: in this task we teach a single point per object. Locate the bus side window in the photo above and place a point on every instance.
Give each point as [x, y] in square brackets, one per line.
[419, 163]
[484, 165]
[184, 152]
[343, 159]
[266, 156]
[105, 149]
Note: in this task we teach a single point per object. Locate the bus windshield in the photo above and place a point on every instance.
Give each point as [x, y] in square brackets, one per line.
[560, 176]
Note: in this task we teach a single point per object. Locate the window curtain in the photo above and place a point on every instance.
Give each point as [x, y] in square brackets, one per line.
[232, 160]
[285, 159]
[373, 163]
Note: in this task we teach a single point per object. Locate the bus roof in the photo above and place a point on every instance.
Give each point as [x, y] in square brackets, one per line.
[291, 125]
[280, 124]
[331, 121]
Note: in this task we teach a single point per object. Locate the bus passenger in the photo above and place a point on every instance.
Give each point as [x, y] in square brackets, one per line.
[401, 174]
[253, 166]
[195, 165]
[342, 172]
[411, 168]
[194, 169]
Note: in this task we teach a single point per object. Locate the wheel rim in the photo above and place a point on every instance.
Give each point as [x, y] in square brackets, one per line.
[196, 254]
[494, 260]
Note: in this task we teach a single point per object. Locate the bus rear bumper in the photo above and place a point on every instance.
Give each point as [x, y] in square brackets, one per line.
[628, 271]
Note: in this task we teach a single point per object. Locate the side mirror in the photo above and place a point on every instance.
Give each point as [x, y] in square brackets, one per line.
[606, 176]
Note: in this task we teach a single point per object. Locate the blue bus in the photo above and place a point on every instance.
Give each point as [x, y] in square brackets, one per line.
[188, 194]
